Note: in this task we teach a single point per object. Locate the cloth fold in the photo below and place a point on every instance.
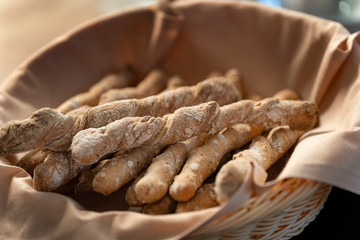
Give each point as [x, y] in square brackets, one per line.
[167, 24]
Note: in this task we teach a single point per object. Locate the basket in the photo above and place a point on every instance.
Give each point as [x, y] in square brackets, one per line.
[280, 212]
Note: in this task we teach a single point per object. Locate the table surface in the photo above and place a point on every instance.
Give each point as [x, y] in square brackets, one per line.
[26, 26]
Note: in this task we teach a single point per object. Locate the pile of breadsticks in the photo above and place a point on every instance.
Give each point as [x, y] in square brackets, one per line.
[176, 147]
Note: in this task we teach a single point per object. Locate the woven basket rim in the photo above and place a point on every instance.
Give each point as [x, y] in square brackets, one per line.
[285, 194]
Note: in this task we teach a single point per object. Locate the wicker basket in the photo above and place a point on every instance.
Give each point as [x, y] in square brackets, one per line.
[280, 213]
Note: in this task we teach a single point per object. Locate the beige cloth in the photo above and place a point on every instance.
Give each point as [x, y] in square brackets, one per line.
[273, 48]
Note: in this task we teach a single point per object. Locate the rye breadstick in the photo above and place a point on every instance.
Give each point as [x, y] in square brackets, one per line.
[35, 157]
[157, 178]
[91, 144]
[166, 205]
[214, 74]
[49, 129]
[78, 111]
[152, 84]
[121, 169]
[253, 96]
[122, 79]
[135, 209]
[32, 159]
[263, 150]
[205, 159]
[175, 82]
[57, 169]
[86, 178]
[205, 197]
[287, 94]
[130, 195]
[233, 75]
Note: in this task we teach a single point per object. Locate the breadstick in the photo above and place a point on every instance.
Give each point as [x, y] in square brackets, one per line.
[12, 159]
[32, 159]
[284, 94]
[86, 178]
[263, 150]
[135, 209]
[287, 94]
[204, 160]
[233, 75]
[91, 144]
[253, 96]
[122, 79]
[152, 84]
[214, 74]
[35, 157]
[49, 129]
[175, 82]
[165, 205]
[57, 169]
[67, 188]
[205, 197]
[78, 111]
[130, 195]
[159, 175]
[119, 170]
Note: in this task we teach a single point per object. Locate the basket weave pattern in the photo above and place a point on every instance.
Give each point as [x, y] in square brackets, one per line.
[280, 213]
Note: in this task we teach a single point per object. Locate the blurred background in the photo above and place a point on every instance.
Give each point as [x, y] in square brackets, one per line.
[26, 26]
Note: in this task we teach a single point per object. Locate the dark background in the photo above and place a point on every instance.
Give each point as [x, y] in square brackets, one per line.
[339, 219]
